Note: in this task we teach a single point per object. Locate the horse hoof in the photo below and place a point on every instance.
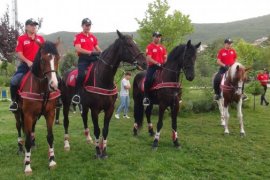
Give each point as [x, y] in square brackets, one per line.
[57, 122]
[177, 145]
[67, 148]
[242, 134]
[104, 156]
[97, 156]
[154, 148]
[52, 164]
[226, 133]
[28, 170]
[151, 133]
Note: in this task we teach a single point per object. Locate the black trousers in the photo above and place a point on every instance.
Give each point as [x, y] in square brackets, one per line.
[149, 79]
[263, 99]
[83, 62]
[217, 80]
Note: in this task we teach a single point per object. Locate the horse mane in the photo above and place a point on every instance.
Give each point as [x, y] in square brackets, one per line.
[175, 53]
[112, 48]
[47, 47]
[233, 68]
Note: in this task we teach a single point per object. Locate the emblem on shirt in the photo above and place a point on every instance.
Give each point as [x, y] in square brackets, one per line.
[38, 39]
[82, 40]
[154, 50]
[231, 52]
[92, 39]
[26, 42]
[224, 54]
[161, 48]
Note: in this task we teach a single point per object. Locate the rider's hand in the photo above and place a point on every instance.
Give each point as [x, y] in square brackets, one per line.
[29, 63]
[95, 53]
[158, 64]
[226, 68]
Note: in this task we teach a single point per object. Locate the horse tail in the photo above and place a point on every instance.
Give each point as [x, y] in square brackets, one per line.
[138, 98]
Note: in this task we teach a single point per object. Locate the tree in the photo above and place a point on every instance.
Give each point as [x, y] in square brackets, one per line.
[8, 37]
[174, 27]
[69, 61]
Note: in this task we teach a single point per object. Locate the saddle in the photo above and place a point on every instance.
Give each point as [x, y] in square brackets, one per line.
[29, 94]
[158, 83]
[72, 76]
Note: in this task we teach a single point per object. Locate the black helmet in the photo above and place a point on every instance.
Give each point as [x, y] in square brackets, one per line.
[86, 21]
[156, 34]
[228, 41]
[31, 21]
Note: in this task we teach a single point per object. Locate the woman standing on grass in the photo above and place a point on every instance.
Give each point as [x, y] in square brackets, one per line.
[124, 96]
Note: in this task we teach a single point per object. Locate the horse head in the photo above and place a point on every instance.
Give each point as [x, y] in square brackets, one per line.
[46, 63]
[130, 51]
[238, 74]
[188, 59]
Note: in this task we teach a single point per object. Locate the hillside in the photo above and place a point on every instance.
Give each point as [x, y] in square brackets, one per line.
[249, 29]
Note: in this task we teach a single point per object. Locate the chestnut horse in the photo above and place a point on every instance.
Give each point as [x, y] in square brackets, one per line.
[103, 94]
[166, 92]
[231, 87]
[38, 94]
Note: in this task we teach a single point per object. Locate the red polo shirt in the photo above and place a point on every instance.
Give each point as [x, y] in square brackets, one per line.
[227, 56]
[28, 46]
[157, 53]
[87, 42]
[263, 78]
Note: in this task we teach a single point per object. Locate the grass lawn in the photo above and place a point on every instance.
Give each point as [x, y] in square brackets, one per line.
[205, 154]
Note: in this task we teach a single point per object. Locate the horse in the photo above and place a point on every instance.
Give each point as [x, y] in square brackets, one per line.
[99, 92]
[37, 96]
[232, 89]
[167, 90]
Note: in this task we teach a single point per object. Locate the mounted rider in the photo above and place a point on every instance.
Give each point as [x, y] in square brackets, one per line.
[26, 49]
[226, 57]
[86, 45]
[156, 57]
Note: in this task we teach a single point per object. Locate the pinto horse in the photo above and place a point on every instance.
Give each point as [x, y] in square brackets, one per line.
[99, 92]
[166, 91]
[231, 87]
[38, 93]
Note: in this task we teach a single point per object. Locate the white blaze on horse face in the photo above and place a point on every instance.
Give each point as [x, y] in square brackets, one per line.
[53, 81]
[239, 90]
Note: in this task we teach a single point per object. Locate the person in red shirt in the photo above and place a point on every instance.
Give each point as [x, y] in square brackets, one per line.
[26, 49]
[156, 57]
[263, 77]
[86, 46]
[226, 57]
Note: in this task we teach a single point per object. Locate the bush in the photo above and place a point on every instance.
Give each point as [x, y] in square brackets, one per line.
[254, 88]
[4, 81]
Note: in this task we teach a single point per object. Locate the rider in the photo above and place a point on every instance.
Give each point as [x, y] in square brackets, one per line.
[86, 45]
[156, 57]
[26, 49]
[226, 57]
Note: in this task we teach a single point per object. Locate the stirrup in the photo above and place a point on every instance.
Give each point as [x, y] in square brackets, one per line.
[146, 102]
[14, 106]
[76, 99]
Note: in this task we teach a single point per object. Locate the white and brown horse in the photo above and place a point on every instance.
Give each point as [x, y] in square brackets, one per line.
[232, 89]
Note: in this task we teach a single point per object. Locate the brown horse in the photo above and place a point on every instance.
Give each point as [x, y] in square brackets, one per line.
[232, 87]
[166, 92]
[38, 94]
[99, 93]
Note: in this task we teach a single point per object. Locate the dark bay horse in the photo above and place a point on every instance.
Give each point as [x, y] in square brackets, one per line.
[231, 87]
[103, 94]
[38, 94]
[167, 91]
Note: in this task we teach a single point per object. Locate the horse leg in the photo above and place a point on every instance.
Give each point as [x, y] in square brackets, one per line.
[138, 115]
[105, 131]
[226, 117]
[94, 115]
[50, 115]
[19, 129]
[159, 126]
[85, 124]
[221, 109]
[240, 117]
[57, 115]
[33, 137]
[28, 124]
[174, 112]
[148, 112]
[66, 105]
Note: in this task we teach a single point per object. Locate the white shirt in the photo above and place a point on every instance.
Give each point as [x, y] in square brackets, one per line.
[124, 92]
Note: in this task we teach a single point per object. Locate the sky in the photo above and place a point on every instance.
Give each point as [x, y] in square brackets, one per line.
[109, 15]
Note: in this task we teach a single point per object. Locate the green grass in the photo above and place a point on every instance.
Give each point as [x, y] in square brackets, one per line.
[206, 153]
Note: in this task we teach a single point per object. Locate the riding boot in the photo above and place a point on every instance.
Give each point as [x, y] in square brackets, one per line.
[13, 93]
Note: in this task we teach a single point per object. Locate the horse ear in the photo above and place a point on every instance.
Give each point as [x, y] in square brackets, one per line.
[237, 68]
[57, 42]
[189, 43]
[120, 35]
[198, 45]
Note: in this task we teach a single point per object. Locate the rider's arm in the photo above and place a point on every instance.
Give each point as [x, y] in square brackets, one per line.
[149, 59]
[81, 50]
[220, 63]
[97, 48]
[24, 59]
